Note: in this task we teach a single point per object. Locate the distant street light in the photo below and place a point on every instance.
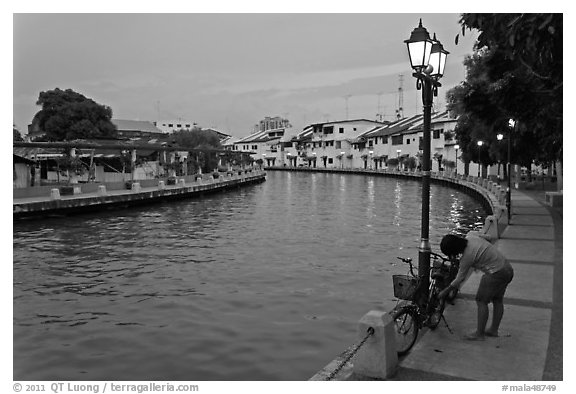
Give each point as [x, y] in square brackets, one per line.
[456, 147]
[371, 157]
[499, 137]
[480, 143]
[428, 59]
[512, 124]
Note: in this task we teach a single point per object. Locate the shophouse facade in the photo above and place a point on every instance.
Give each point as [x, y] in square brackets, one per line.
[331, 144]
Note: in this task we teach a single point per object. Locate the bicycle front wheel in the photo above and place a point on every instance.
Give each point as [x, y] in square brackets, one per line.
[406, 329]
[435, 309]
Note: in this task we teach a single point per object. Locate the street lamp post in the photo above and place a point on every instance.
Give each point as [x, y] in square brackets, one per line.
[480, 143]
[499, 137]
[512, 124]
[456, 147]
[428, 59]
[371, 153]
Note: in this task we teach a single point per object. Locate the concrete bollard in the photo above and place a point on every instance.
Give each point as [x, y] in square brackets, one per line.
[181, 182]
[501, 215]
[503, 195]
[161, 185]
[136, 187]
[102, 190]
[377, 358]
[491, 227]
[55, 194]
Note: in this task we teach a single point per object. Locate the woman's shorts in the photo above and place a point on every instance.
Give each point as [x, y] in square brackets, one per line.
[493, 286]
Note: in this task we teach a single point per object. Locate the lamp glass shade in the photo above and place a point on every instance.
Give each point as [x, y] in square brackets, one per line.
[438, 57]
[419, 47]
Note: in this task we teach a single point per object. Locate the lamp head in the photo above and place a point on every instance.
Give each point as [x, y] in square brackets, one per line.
[437, 60]
[419, 47]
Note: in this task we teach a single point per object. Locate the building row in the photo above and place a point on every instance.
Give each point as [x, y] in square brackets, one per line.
[357, 143]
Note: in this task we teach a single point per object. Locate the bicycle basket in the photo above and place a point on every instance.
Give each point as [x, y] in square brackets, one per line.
[404, 286]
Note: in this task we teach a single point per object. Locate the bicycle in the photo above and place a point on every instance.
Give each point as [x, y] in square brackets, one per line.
[421, 312]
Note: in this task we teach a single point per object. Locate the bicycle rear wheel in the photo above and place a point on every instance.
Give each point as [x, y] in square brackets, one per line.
[406, 329]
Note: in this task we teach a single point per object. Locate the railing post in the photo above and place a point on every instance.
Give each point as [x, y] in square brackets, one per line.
[55, 194]
[378, 357]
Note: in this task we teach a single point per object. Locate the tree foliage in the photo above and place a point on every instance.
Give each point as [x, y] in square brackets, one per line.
[199, 139]
[17, 135]
[515, 72]
[196, 139]
[67, 115]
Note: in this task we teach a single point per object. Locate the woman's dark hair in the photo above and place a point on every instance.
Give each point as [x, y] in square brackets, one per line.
[452, 245]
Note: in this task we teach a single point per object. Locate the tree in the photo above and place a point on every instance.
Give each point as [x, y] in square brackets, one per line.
[515, 72]
[67, 115]
[199, 139]
[17, 135]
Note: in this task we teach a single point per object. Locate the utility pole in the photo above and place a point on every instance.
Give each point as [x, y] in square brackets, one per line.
[400, 110]
[346, 97]
[379, 113]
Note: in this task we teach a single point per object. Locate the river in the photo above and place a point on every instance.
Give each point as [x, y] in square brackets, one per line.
[267, 282]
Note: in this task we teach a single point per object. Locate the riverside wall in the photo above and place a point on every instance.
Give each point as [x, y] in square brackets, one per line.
[54, 201]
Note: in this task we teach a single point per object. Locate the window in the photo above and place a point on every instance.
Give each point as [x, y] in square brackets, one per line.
[329, 130]
[187, 126]
[179, 125]
[385, 140]
[376, 141]
[370, 143]
[341, 130]
[408, 141]
[254, 147]
[330, 160]
[329, 143]
[170, 125]
[435, 134]
[354, 128]
[396, 140]
[338, 144]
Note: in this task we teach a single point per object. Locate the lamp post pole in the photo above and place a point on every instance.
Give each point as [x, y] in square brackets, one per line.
[479, 164]
[428, 60]
[456, 147]
[511, 123]
[499, 137]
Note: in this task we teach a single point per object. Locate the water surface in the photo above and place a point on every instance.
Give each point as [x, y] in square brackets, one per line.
[267, 282]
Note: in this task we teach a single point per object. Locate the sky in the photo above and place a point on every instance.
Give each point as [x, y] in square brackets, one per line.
[229, 70]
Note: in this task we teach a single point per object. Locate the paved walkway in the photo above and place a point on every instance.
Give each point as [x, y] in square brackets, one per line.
[530, 344]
